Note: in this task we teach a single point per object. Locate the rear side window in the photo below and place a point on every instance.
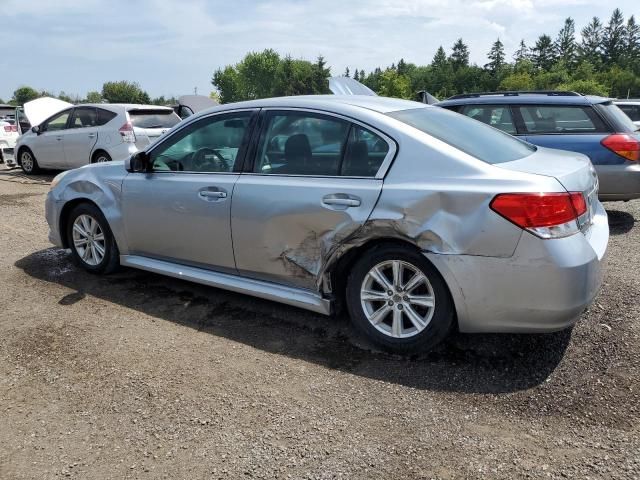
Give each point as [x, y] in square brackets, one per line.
[474, 138]
[498, 116]
[83, 117]
[153, 118]
[105, 116]
[541, 119]
[620, 121]
[296, 143]
[364, 154]
[632, 111]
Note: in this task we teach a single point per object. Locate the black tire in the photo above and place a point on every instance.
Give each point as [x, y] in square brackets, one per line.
[28, 162]
[111, 258]
[100, 157]
[442, 315]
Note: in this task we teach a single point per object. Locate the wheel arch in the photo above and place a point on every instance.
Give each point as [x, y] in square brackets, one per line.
[339, 273]
[96, 152]
[64, 217]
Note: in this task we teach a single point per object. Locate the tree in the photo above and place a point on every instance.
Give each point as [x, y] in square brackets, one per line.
[496, 58]
[392, 84]
[124, 92]
[459, 55]
[590, 48]
[346, 72]
[544, 53]
[586, 87]
[632, 44]
[356, 75]
[441, 74]
[94, 97]
[24, 94]
[321, 76]
[257, 73]
[522, 53]
[614, 39]
[565, 45]
[517, 81]
[67, 98]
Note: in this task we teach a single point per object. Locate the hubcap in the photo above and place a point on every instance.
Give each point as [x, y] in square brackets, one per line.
[397, 299]
[101, 159]
[27, 161]
[88, 239]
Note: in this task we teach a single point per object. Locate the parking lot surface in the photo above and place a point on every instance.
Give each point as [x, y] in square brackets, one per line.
[135, 375]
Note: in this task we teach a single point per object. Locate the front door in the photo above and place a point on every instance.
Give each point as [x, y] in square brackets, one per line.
[180, 211]
[80, 137]
[48, 146]
[313, 183]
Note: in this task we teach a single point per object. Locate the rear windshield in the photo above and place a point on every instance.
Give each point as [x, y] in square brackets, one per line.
[471, 136]
[153, 118]
[623, 123]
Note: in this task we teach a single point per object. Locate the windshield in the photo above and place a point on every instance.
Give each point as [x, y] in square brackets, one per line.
[153, 118]
[471, 136]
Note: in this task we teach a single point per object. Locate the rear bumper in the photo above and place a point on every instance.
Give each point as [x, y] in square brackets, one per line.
[619, 182]
[543, 287]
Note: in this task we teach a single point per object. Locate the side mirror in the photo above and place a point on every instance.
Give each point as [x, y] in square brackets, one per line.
[138, 162]
[36, 129]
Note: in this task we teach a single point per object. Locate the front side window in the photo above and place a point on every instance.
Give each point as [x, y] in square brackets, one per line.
[539, 119]
[300, 143]
[209, 145]
[57, 122]
[498, 116]
[83, 117]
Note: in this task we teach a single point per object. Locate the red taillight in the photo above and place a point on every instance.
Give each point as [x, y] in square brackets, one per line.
[127, 133]
[535, 210]
[10, 128]
[623, 144]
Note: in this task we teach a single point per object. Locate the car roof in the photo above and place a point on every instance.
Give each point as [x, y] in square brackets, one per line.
[126, 106]
[323, 102]
[548, 98]
[627, 101]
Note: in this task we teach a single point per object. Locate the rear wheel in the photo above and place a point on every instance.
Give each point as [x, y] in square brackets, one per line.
[92, 244]
[101, 157]
[28, 162]
[397, 298]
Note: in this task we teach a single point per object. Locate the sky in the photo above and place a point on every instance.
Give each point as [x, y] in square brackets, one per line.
[173, 47]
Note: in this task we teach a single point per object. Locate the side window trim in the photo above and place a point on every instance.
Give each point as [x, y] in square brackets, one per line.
[239, 161]
[262, 126]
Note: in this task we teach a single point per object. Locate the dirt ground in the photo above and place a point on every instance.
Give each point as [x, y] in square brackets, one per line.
[135, 375]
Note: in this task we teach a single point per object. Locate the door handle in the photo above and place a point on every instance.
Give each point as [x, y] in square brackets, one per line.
[341, 200]
[58, 138]
[92, 135]
[212, 194]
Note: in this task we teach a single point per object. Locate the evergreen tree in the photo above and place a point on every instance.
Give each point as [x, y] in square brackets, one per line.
[590, 48]
[522, 53]
[632, 44]
[565, 45]
[362, 75]
[459, 55]
[356, 75]
[401, 68]
[496, 58]
[346, 72]
[614, 39]
[544, 53]
[321, 76]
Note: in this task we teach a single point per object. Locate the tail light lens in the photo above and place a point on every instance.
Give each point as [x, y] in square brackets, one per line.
[10, 128]
[547, 215]
[128, 135]
[623, 144]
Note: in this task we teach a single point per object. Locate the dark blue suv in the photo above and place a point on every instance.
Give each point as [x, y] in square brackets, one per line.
[590, 125]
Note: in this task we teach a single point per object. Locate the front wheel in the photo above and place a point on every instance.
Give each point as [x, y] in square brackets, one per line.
[398, 299]
[92, 244]
[28, 162]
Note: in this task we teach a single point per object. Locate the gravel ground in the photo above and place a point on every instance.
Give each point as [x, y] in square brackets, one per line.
[135, 375]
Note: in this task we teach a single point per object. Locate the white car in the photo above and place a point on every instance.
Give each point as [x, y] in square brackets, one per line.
[632, 108]
[8, 133]
[65, 136]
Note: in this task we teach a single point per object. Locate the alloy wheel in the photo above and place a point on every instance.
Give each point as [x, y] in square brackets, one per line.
[27, 161]
[88, 240]
[397, 299]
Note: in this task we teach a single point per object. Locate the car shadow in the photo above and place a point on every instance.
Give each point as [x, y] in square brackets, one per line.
[464, 363]
[16, 175]
[620, 222]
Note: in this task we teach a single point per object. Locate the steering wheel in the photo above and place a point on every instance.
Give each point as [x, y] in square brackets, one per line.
[200, 162]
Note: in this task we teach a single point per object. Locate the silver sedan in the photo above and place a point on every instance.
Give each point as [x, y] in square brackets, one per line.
[417, 219]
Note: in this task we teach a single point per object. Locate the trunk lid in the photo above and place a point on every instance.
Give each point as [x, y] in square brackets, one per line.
[573, 170]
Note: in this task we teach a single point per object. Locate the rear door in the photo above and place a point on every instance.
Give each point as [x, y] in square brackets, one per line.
[577, 128]
[80, 136]
[149, 124]
[313, 181]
